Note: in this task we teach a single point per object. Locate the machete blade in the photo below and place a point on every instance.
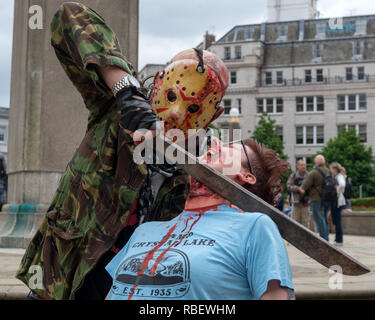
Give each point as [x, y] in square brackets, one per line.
[299, 236]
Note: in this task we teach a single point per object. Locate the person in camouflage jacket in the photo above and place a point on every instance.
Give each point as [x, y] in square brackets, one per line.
[97, 196]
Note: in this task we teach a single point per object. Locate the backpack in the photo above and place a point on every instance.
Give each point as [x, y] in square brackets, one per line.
[329, 193]
[349, 192]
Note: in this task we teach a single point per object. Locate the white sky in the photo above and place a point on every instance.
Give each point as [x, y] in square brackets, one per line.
[169, 26]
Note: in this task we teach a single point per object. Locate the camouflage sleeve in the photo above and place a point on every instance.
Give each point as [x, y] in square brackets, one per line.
[82, 41]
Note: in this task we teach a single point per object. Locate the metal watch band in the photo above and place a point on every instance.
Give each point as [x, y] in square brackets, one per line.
[123, 83]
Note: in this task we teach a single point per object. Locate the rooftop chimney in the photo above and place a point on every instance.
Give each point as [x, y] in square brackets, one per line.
[208, 40]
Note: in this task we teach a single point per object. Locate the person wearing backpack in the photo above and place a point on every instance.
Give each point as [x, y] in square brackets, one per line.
[318, 195]
[339, 204]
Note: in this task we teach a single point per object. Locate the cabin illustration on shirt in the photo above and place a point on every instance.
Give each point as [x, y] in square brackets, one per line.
[162, 273]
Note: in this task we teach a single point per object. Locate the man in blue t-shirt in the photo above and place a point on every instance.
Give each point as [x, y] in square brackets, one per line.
[212, 250]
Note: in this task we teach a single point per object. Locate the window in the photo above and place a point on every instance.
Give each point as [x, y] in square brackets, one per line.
[306, 135]
[227, 106]
[319, 134]
[227, 53]
[360, 129]
[283, 30]
[310, 135]
[310, 104]
[279, 77]
[268, 77]
[317, 51]
[341, 103]
[3, 134]
[357, 48]
[299, 135]
[320, 103]
[320, 30]
[300, 104]
[362, 132]
[233, 77]
[238, 52]
[279, 132]
[249, 33]
[362, 102]
[349, 74]
[361, 73]
[308, 76]
[260, 106]
[352, 102]
[319, 75]
[270, 105]
[279, 105]
[360, 27]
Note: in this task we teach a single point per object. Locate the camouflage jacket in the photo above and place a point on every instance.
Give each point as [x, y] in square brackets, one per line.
[98, 190]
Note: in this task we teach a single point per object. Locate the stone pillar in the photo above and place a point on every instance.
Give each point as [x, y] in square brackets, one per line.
[47, 117]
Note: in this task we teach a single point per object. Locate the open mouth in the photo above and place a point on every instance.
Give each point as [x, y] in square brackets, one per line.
[211, 155]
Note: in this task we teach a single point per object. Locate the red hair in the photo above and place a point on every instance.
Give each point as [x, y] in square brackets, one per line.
[268, 169]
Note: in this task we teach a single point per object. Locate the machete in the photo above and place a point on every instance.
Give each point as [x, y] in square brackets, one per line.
[299, 236]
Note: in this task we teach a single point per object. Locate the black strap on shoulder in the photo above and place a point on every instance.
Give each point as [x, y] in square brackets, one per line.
[321, 172]
[200, 67]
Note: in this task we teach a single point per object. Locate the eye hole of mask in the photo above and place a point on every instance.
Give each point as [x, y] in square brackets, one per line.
[193, 108]
[172, 97]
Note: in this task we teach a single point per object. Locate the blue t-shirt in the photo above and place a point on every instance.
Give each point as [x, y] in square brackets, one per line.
[221, 254]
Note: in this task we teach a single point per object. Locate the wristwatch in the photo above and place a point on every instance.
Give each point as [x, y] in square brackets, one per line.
[127, 82]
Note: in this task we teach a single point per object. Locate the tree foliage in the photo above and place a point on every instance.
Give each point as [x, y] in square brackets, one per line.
[266, 134]
[358, 160]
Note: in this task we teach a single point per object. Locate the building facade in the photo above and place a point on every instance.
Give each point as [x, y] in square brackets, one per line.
[286, 10]
[312, 76]
[147, 73]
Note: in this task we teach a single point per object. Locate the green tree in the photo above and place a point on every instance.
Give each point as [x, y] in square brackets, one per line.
[266, 134]
[358, 160]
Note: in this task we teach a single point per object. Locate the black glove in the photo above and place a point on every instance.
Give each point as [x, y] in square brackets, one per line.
[135, 114]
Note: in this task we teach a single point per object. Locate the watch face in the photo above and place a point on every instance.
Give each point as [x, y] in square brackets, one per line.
[133, 82]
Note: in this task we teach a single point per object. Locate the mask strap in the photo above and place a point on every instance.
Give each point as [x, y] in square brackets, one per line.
[200, 67]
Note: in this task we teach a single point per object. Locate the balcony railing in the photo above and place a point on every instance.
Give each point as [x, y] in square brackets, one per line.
[314, 81]
[233, 59]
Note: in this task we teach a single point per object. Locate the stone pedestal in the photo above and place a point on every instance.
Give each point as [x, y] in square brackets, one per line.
[47, 117]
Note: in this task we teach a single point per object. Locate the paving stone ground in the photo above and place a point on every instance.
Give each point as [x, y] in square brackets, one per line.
[311, 280]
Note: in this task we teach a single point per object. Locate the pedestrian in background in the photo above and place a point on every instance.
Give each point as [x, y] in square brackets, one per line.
[314, 185]
[349, 191]
[339, 204]
[300, 202]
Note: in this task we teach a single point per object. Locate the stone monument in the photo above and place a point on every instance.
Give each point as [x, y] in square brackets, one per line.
[47, 118]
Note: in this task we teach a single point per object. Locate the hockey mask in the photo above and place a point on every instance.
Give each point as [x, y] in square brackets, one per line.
[187, 94]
